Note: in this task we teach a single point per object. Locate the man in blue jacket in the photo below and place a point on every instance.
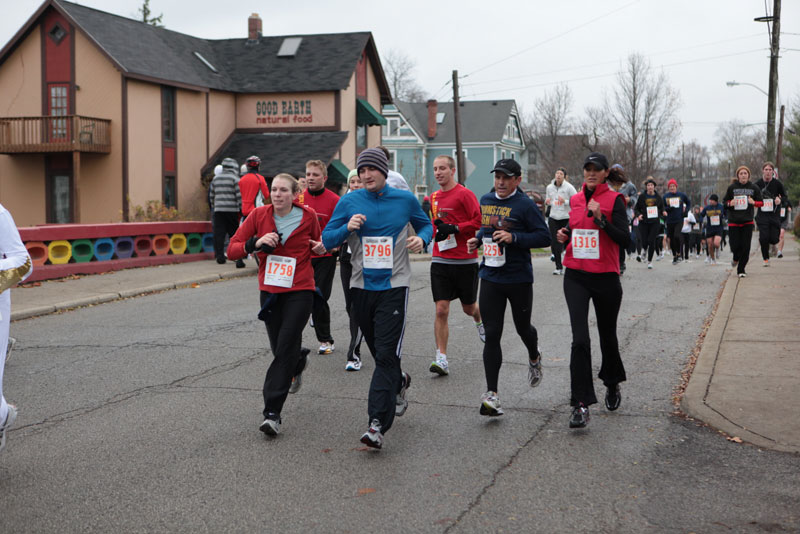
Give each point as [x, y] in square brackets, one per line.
[511, 225]
[676, 206]
[374, 222]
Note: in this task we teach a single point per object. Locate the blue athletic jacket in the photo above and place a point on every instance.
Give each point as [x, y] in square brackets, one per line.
[388, 213]
[675, 215]
[520, 216]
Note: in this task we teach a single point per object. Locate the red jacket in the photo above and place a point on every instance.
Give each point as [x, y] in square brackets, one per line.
[323, 203]
[579, 219]
[260, 222]
[457, 206]
[249, 185]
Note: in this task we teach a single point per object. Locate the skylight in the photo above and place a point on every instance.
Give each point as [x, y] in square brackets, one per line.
[289, 46]
[439, 118]
[205, 62]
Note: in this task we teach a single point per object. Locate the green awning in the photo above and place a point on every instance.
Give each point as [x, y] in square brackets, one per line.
[338, 171]
[366, 114]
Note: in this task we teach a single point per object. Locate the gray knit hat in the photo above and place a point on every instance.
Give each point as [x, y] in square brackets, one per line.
[373, 157]
[229, 164]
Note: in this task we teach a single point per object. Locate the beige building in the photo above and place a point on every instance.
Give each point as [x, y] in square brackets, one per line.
[100, 113]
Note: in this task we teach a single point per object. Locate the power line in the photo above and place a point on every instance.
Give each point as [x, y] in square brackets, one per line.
[590, 22]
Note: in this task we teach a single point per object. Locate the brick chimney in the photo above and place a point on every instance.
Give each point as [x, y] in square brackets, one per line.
[253, 27]
[433, 106]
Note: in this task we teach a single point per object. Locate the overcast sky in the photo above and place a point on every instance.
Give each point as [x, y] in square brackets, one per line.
[508, 49]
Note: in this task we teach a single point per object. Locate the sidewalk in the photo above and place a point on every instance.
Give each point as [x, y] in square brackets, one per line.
[747, 378]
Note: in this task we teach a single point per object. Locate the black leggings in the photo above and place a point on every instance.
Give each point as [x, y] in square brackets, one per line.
[354, 350]
[649, 235]
[605, 291]
[324, 271]
[492, 303]
[769, 233]
[675, 238]
[285, 330]
[555, 247]
[740, 244]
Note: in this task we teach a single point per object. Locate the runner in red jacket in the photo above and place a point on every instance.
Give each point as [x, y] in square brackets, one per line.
[250, 184]
[283, 235]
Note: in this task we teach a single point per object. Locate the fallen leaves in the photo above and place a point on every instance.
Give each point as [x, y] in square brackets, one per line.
[195, 284]
[365, 491]
[735, 439]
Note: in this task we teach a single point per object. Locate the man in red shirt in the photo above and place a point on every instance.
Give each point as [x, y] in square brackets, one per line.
[250, 184]
[323, 201]
[454, 271]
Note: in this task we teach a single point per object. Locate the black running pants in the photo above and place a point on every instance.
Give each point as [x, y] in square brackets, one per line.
[555, 247]
[649, 235]
[492, 302]
[740, 244]
[324, 271]
[769, 233]
[224, 222]
[605, 292]
[354, 350]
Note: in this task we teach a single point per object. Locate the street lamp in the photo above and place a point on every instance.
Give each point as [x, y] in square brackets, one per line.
[734, 83]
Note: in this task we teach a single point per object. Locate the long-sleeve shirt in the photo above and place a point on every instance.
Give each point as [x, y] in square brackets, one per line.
[376, 266]
[518, 215]
[677, 206]
[249, 186]
[460, 207]
[649, 201]
[559, 199]
[15, 262]
[323, 202]
[224, 193]
[741, 217]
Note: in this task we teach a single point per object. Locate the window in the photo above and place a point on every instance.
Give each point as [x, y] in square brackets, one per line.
[393, 160]
[439, 118]
[531, 157]
[168, 114]
[60, 211]
[169, 197]
[361, 137]
[289, 46]
[502, 154]
[392, 128]
[513, 156]
[59, 107]
[464, 151]
[57, 33]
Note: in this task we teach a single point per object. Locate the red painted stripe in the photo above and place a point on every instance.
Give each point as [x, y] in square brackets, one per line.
[49, 272]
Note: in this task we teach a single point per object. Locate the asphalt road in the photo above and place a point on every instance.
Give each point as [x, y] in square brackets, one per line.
[143, 414]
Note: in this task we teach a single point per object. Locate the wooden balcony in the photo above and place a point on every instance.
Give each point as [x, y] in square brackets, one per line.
[43, 135]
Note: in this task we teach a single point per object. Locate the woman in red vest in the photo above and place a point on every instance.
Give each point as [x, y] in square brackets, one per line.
[283, 234]
[598, 227]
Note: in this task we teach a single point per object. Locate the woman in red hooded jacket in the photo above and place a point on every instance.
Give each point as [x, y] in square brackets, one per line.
[283, 235]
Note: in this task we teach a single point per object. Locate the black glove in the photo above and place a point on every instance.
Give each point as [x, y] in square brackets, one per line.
[250, 245]
[266, 249]
[443, 230]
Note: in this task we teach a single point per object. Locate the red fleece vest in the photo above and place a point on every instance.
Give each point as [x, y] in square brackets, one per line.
[579, 219]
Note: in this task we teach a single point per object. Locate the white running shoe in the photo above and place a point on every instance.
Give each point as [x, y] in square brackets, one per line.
[326, 348]
[535, 371]
[481, 331]
[490, 404]
[10, 418]
[353, 365]
[270, 427]
[650, 265]
[401, 403]
[439, 366]
[373, 437]
[11, 342]
[742, 275]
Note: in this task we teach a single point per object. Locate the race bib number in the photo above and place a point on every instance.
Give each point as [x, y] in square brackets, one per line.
[783, 212]
[652, 212]
[448, 243]
[768, 205]
[740, 202]
[715, 220]
[493, 254]
[279, 271]
[378, 252]
[559, 201]
[674, 202]
[586, 244]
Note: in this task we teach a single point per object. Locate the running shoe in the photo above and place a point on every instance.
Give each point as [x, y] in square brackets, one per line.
[311, 322]
[556, 271]
[659, 257]
[535, 371]
[713, 262]
[271, 425]
[326, 348]
[552, 257]
[613, 397]
[10, 418]
[766, 263]
[297, 380]
[481, 331]
[580, 416]
[639, 258]
[734, 263]
[490, 404]
[742, 275]
[353, 365]
[402, 404]
[708, 260]
[780, 253]
[373, 437]
[439, 366]
[650, 265]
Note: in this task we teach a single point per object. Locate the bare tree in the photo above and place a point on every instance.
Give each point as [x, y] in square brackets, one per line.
[643, 116]
[400, 73]
[736, 143]
[145, 12]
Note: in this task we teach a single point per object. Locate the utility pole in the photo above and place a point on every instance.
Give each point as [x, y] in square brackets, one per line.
[460, 163]
[773, 76]
[779, 158]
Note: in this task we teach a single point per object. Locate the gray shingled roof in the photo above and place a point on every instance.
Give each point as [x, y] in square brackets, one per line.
[281, 152]
[481, 121]
[322, 63]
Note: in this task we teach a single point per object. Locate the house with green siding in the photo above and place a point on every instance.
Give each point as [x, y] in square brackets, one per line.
[416, 133]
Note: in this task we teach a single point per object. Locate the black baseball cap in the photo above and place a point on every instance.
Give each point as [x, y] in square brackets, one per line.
[597, 159]
[509, 167]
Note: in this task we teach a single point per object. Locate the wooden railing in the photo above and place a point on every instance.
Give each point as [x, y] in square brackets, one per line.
[67, 133]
